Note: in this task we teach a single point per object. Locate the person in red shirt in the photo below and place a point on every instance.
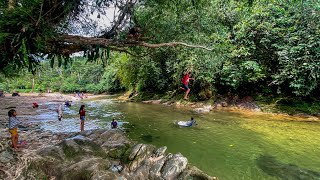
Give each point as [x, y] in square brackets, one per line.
[185, 83]
[82, 113]
[35, 105]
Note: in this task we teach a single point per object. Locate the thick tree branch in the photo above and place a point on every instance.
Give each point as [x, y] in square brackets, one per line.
[173, 44]
[128, 43]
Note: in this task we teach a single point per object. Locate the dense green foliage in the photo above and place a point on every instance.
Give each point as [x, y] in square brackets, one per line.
[268, 47]
[283, 41]
[78, 76]
[26, 28]
[265, 47]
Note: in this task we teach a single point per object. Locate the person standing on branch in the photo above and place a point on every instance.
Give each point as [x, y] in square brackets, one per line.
[185, 82]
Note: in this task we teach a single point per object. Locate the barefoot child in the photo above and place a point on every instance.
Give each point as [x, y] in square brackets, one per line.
[59, 111]
[13, 127]
[82, 113]
[185, 81]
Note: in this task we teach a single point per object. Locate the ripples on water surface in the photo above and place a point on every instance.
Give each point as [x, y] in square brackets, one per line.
[228, 145]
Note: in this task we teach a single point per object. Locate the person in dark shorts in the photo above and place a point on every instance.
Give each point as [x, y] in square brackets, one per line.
[185, 82]
[82, 113]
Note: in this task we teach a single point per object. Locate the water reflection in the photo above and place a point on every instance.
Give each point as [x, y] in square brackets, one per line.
[223, 144]
[273, 167]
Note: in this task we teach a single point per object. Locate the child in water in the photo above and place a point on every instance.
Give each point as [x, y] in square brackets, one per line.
[114, 124]
[192, 121]
[67, 104]
[13, 127]
[59, 111]
[82, 113]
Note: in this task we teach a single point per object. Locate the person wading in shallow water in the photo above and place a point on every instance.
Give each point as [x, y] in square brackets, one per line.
[59, 111]
[114, 124]
[185, 82]
[82, 113]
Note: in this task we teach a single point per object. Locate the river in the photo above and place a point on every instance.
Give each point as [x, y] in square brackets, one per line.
[229, 145]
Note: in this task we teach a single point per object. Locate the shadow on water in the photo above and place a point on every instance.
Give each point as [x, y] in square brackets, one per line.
[148, 138]
[273, 167]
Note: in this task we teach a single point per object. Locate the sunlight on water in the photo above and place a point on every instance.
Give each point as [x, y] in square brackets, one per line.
[68, 125]
[229, 145]
[98, 116]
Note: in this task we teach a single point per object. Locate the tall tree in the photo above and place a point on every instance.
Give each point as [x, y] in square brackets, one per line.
[58, 28]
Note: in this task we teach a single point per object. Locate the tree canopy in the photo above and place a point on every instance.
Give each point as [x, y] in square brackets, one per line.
[31, 29]
[246, 47]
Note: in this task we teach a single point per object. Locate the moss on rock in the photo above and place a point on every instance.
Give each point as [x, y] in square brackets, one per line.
[43, 169]
[120, 152]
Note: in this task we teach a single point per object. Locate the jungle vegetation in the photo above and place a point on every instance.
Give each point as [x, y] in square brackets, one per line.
[265, 47]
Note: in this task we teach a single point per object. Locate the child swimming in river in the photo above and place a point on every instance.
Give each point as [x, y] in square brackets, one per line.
[189, 123]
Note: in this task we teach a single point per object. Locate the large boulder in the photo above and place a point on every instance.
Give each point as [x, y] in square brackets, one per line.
[53, 151]
[43, 168]
[155, 168]
[87, 168]
[111, 138]
[108, 155]
[139, 154]
[79, 145]
[174, 165]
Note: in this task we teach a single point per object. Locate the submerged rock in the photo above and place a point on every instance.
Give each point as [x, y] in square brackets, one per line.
[204, 109]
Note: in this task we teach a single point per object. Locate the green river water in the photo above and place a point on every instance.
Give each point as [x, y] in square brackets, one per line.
[228, 145]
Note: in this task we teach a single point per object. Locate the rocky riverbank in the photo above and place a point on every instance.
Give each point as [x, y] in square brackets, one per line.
[245, 105]
[92, 154]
